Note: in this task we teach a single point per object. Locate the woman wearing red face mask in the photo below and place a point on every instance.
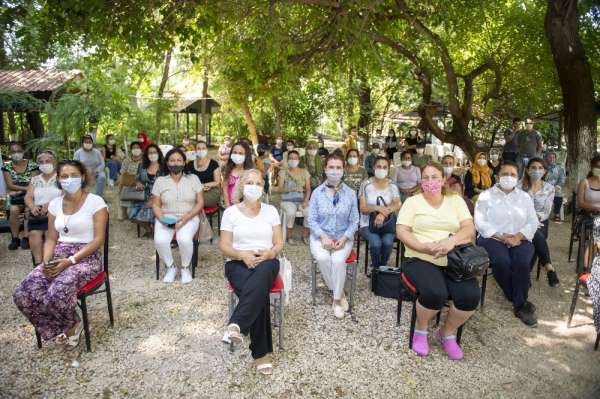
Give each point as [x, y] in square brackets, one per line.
[431, 224]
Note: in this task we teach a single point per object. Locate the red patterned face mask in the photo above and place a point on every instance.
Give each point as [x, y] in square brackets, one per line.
[431, 186]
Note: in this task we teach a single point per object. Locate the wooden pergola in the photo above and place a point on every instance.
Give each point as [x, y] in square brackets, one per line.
[203, 108]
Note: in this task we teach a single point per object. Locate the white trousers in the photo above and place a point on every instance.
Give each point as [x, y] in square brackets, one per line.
[185, 237]
[332, 265]
[290, 209]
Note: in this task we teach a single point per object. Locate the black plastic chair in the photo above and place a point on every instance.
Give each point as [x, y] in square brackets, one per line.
[574, 217]
[582, 268]
[399, 251]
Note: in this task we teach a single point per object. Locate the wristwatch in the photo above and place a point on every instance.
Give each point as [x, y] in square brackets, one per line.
[72, 259]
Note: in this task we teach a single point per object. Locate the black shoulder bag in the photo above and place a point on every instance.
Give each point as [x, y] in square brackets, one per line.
[466, 262]
[389, 224]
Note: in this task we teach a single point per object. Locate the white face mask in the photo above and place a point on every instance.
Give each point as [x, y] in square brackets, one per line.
[312, 152]
[406, 164]
[293, 163]
[237, 159]
[290, 148]
[420, 151]
[153, 157]
[87, 146]
[279, 142]
[381, 173]
[508, 182]
[252, 192]
[494, 157]
[448, 170]
[202, 153]
[481, 162]
[16, 156]
[596, 172]
[71, 184]
[186, 142]
[352, 161]
[334, 175]
[111, 142]
[136, 152]
[46, 168]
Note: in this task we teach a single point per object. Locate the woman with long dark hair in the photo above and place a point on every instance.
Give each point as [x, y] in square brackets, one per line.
[240, 159]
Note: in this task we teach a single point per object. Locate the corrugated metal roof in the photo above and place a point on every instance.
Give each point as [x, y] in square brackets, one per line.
[29, 81]
[194, 105]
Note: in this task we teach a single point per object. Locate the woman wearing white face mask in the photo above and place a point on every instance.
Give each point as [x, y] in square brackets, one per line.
[354, 174]
[506, 221]
[240, 159]
[127, 181]
[251, 239]
[93, 160]
[378, 195]
[150, 169]
[76, 231]
[294, 186]
[209, 173]
[41, 191]
[494, 163]
[333, 220]
[112, 156]
[406, 176]
[479, 178]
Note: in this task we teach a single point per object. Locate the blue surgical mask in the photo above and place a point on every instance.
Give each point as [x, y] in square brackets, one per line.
[71, 184]
[536, 174]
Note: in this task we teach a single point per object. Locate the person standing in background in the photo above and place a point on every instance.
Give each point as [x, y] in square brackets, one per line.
[509, 151]
[93, 160]
[113, 157]
[529, 145]
[557, 177]
[224, 150]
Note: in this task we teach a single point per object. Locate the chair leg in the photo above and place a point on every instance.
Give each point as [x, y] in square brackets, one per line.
[438, 316]
[399, 310]
[398, 253]
[231, 308]
[281, 320]
[459, 334]
[86, 325]
[483, 288]
[109, 302]
[157, 265]
[313, 269]
[195, 258]
[353, 285]
[139, 231]
[38, 338]
[571, 247]
[573, 302]
[366, 256]
[597, 342]
[413, 320]
[539, 269]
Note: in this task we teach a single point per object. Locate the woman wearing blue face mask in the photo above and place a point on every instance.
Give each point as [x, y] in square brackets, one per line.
[76, 231]
[542, 194]
[333, 220]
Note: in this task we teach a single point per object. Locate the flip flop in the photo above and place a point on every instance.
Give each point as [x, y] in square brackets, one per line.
[73, 340]
[265, 368]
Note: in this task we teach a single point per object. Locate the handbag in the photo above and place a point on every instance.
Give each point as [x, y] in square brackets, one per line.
[385, 282]
[293, 196]
[205, 232]
[285, 271]
[389, 224]
[466, 262]
[131, 194]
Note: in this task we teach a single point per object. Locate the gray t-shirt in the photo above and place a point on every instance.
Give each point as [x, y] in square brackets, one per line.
[92, 160]
[527, 143]
[510, 144]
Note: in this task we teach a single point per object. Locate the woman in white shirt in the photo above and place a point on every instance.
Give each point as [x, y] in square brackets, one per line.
[506, 221]
[76, 231]
[42, 189]
[407, 177]
[177, 200]
[251, 239]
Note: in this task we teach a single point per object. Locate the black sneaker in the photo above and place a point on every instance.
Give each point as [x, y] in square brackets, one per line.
[530, 307]
[527, 316]
[24, 243]
[14, 243]
[553, 279]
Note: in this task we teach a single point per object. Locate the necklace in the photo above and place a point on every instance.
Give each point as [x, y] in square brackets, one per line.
[67, 217]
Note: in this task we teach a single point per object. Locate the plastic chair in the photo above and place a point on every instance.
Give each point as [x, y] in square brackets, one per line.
[399, 251]
[196, 243]
[351, 271]
[210, 212]
[582, 268]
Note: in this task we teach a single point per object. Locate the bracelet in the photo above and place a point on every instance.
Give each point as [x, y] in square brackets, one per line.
[72, 259]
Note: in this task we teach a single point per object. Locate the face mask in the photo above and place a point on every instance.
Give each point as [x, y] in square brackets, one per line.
[381, 173]
[71, 185]
[87, 146]
[111, 142]
[596, 172]
[293, 163]
[413, 134]
[237, 159]
[186, 142]
[432, 186]
[481, 162]
[202, 153]
[252, 192]
[508, 182]
[16, 156]
[536, 174]
[352, 161]
[312, 152]
[136, 152]
[279, 142]
[406, 164]
[175, 169]
[448, 170]
[529, 126]
[420, 151]
[494, 157]
[290, 147]
[334, 175]
[46, 168]
[153, 157]
[228, 143]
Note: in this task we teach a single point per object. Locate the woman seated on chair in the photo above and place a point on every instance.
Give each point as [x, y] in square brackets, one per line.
[130, 168]
[333, 220]
[380, 197]
[240, 159]
[407, 176]
[209, 173]
[506, 222]
[354, 174]
[42, 189]
[151, 168]
[542, 194]
[176, 201]
[430, 225]
[76, 231]
[479, 178]
[251, 240]
[294, 186]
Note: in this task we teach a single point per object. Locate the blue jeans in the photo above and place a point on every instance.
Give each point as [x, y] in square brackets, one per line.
[100, 183]
[380, 246]
[114, 166]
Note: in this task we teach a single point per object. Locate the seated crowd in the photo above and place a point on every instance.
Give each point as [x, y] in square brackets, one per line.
[431, 209]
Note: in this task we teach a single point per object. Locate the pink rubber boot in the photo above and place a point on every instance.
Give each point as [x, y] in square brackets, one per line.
[419, 343]
[453, 350]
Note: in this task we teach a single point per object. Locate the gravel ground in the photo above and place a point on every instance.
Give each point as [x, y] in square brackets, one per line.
[166, 341]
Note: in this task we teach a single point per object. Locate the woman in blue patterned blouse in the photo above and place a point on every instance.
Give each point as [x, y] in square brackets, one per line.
[333, 220]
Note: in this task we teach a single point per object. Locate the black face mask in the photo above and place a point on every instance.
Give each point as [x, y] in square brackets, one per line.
[261, 153]
[175, 169]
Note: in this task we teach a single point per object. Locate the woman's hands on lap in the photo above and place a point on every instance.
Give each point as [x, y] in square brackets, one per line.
[52, 272]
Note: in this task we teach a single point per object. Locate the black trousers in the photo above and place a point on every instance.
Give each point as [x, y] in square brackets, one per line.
[434, 287]
[253, 312]
[540, 243]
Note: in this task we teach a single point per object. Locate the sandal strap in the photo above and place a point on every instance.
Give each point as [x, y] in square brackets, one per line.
[421, 332]
[448, 337]
[264, 366]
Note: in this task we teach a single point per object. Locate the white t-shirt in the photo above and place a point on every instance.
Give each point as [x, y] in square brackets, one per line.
[80, 225]
[251, 234]
[368, 189]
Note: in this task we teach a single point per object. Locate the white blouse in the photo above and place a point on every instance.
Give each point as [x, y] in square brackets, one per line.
[44, 191]
[500, 213]
[77, 227]
[250, 234]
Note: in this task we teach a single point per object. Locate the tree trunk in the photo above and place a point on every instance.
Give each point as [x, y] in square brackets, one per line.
[249, 122]
[35, 123]
[562, 28]
[12, 125]
[365, 107]
[161, 91]
[203, 109]
[276, 114]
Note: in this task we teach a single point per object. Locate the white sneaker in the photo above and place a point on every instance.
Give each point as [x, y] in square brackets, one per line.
[170, 274]
[345, 304]
[338, 311]
[186, 275]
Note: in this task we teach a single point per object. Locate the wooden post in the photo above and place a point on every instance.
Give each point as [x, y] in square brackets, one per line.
[196, 127]
[2, 140]
[187, 123]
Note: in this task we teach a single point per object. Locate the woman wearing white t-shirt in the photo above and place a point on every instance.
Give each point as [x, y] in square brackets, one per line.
[177, 200]
[251, 240]
[76, 231]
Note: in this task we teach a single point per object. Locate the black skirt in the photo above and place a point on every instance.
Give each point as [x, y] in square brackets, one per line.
[37, 223]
